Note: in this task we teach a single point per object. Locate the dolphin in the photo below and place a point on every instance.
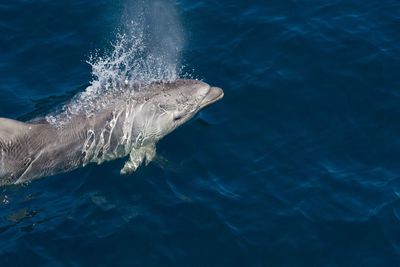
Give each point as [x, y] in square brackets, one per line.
[130, 126]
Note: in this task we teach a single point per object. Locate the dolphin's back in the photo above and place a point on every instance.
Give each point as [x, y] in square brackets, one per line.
[18, 142]
[10, 128]
[32, 150]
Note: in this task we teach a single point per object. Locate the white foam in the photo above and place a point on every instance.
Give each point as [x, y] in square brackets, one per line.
[146, 49]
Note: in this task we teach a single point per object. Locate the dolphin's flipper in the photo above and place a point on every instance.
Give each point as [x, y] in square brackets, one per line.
[136, 158]
[150, 153]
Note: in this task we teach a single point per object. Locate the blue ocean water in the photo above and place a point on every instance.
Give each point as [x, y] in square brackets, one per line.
[298, 165]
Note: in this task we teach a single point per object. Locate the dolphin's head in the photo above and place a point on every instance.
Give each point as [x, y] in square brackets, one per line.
[174, 103]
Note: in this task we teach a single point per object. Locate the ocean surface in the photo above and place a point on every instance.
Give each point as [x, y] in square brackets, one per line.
[298, 165]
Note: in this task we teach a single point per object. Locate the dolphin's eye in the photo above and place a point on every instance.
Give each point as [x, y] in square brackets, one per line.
[177, 118]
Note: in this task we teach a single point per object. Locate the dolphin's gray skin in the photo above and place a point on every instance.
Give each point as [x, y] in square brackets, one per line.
[127, 127]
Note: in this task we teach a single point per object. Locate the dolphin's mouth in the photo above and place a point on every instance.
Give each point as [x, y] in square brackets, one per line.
[214, 94]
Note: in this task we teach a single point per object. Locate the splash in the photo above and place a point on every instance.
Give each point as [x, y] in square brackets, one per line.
[146, 49]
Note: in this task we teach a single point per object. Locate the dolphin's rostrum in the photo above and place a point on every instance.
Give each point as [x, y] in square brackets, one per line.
[130, 126]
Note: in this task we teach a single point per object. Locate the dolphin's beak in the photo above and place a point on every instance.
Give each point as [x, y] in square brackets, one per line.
[213, 95]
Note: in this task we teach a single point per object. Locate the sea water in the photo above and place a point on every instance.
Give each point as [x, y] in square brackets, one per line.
[296, 166]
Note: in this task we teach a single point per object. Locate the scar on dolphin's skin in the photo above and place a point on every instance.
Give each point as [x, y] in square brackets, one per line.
[131, 125]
